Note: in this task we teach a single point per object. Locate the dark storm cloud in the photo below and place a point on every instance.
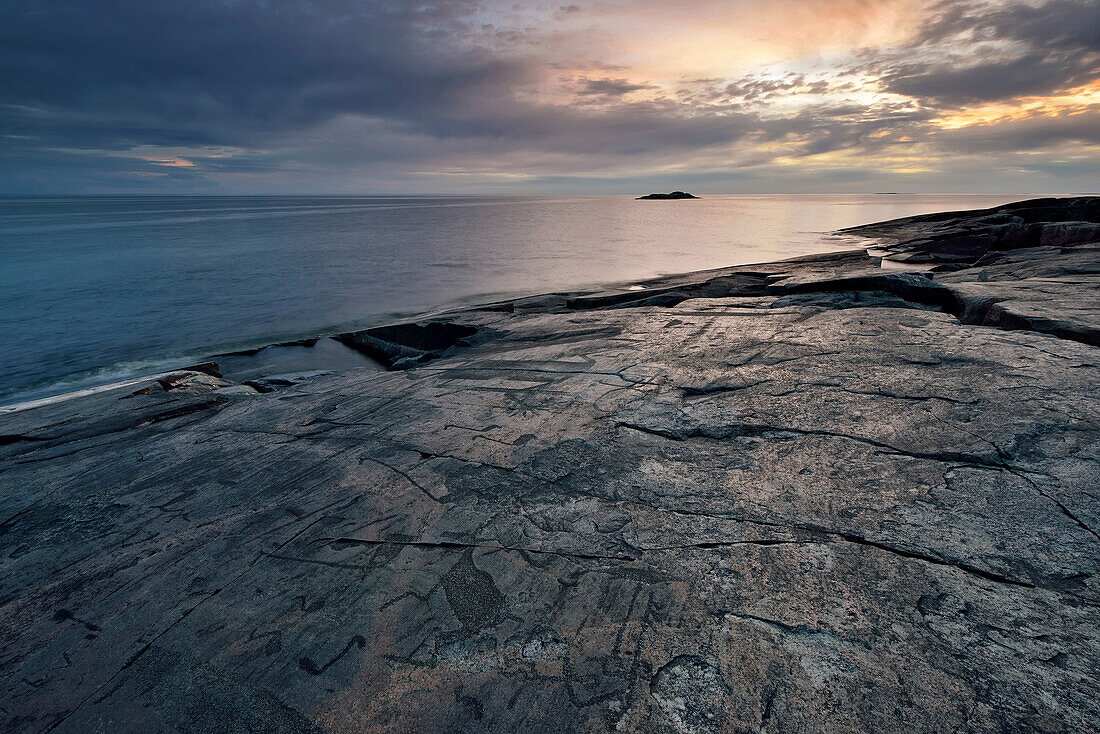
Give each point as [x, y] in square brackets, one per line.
[610, 87]
[1057, 24]
[988, 82]
[252, 74]
[125, 72]
[970, 52]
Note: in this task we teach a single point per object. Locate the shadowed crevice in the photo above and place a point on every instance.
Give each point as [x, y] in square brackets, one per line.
[402, 346]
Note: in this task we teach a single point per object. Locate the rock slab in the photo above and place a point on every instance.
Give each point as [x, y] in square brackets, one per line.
[805, 496]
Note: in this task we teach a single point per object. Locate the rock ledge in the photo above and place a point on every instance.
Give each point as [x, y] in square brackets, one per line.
[812, 495]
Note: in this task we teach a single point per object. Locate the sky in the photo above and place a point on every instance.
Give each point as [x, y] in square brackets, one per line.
[602, 96]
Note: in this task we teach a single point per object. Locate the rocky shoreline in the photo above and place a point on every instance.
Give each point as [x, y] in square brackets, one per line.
[810, 495]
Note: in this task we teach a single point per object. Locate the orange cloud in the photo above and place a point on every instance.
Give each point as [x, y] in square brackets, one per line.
[1070, 102]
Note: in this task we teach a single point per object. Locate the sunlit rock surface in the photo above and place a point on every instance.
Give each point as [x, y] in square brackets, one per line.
[805, 496]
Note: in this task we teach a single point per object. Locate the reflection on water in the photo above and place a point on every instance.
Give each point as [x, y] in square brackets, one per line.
[94, 288]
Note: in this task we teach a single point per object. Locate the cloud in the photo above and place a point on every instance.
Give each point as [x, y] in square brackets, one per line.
[610, 87]
[1081, 129]
[969, 52]
[436, 95]
[228, 71]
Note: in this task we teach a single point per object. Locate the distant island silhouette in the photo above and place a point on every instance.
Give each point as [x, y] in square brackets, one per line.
[673, 195]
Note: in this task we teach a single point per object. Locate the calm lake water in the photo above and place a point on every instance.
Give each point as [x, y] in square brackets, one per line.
[97, 288]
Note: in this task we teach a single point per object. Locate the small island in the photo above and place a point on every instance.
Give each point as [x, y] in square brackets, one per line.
[666, 197]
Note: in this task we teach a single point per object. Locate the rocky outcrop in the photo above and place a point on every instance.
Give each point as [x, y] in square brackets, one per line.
[803, 496]
[966, 236]
[673, 195]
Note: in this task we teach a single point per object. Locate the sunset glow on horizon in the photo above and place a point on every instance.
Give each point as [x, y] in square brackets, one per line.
[605, 96]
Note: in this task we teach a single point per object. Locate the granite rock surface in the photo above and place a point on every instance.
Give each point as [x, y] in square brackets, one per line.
[964, 237]
[812, 495]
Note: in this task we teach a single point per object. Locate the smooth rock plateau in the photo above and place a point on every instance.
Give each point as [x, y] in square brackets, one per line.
[805, 496]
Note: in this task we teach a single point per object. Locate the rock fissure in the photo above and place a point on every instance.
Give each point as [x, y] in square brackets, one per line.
[186, 613]
[740, 430]
[826, 534]
[457, 545]
[796, 629]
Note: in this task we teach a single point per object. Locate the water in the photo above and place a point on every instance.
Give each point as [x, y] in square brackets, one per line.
[93, 289]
